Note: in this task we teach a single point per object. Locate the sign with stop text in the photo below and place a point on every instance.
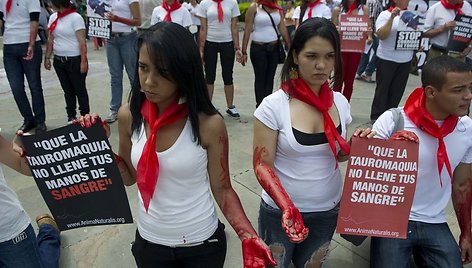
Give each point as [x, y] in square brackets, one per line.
[353, 32]
[76, 174]
[409, 31]
[97, 24]
[378, 188]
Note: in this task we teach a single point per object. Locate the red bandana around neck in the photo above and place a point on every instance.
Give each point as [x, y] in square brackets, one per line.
[220, 10]
[8, 7]
[416, 111]
[311, 6]
[457, 8]
[62, 14]
[270, 4]
[169, 8]
[322, 103]
[147, 172]
[352, 7]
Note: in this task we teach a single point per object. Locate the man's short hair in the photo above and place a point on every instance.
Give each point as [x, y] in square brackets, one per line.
[435, 70]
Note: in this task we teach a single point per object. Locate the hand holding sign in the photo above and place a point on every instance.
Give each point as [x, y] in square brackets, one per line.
[90, 119]
[405, 135]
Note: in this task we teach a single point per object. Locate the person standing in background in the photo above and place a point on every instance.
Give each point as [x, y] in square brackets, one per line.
[310, 9]
[192, 6]
[121, 49]
[171, 11]
[22, 55]
[219, 35]
[289, 22]
[66, 41]
[264, 21]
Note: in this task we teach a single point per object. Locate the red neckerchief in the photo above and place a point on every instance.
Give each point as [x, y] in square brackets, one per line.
[220, 10]
[457, 8]
[416, 111]
[352, 7]
[311, 6]
[393, 6]
[176, 5]
[62, 14]
[8, 7]
[323, 102]
[147, 172]
[270, 4]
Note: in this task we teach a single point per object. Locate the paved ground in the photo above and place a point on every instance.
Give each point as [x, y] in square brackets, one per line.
[109, 246]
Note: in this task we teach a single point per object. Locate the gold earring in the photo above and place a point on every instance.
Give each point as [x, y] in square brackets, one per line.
[293, 73]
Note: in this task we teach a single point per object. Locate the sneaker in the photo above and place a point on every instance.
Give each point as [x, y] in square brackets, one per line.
[366, 78]
[112, 116]
[46, 219]
[71, 119]
[40, 128]
[27, 126]
[233, 112]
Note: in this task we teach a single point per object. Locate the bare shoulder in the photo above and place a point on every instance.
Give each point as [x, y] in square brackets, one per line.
[211, 128]
[124, 117]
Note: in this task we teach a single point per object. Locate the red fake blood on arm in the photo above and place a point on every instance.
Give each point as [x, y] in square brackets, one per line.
[462, 197]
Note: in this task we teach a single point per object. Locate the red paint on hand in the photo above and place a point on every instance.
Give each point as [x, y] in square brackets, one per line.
[292, 221]
[256, 253]
[462, 200]
[404, 135]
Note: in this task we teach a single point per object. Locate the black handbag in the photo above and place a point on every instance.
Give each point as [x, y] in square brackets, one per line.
[280, 46]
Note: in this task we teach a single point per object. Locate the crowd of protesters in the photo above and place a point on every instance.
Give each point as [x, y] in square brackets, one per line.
[170, 53]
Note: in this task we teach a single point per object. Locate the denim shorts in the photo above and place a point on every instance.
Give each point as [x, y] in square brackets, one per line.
[321, 229]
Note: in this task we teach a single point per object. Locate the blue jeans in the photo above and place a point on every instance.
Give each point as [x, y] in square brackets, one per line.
[17, 68]
[28, 251]
[121, 51]
[264, 58]
[321, 225]
[431, 244]
[367, 64]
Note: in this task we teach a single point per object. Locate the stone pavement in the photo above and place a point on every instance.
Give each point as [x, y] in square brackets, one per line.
[109, 246]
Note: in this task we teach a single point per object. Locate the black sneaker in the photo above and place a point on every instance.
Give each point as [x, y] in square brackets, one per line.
[41, 128]
[27, 126]
[233, 112]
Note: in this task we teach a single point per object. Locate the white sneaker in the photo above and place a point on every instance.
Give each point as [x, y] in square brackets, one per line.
[233, 112]
[112, 116]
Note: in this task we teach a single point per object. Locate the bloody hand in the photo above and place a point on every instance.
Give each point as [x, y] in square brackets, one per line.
[465, 245]
[404, 135]
[292, 223]
[256, 253]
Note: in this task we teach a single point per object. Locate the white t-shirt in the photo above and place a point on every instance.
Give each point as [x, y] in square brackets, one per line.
[320, 10]
[182, 210]
[121, 8]
[216, 31]
[14, 219]
[17, 22]
[386, 49]
[430, 200]
[146, 7]
[263, 31]
[437, 16]
[193, 11]
[180, 16]
[307, 173]
[65, 40]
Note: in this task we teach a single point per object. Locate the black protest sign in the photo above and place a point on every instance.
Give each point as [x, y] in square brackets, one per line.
[77, 176]
[98, 27]
[460, 36]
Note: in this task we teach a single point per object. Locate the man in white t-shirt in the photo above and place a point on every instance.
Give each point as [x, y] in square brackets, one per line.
[22, 57]
[435, 117]
[19, 246]
[440, 21]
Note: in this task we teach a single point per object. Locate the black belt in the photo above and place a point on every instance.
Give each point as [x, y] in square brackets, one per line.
[65, 58]
[439, 48]
[115, 35]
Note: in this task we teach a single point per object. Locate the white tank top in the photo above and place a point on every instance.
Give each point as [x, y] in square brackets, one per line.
[181, 210]
[14, 219]
[263, 30]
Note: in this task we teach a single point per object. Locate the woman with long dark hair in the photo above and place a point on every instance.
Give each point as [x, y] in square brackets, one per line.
[173, 143]
[299, 137]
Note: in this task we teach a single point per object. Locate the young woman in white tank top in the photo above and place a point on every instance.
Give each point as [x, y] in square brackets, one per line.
[174, 145]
